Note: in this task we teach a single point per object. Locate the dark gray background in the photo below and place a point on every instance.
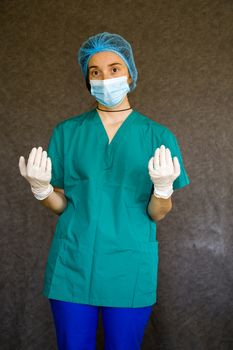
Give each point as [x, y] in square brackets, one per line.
[183, 52]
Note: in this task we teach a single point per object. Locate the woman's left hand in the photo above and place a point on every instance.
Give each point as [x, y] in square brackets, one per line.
[163, 171]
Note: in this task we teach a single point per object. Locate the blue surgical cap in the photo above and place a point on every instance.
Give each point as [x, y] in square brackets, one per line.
[108, 42]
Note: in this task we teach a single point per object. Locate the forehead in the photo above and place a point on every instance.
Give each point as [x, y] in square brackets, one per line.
[104, 58]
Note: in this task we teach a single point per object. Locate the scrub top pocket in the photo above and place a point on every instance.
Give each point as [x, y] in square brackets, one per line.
[146, 287]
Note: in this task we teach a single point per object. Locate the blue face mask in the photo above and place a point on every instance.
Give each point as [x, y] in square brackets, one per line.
[110, 92]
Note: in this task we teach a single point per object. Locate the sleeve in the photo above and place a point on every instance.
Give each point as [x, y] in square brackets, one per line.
[169, 140]
[55, 152]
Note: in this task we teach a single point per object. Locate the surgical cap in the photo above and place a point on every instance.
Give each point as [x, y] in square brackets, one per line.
[108, 42]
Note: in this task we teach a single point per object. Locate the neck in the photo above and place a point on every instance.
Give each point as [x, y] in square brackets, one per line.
[116, 116]
[123, 105]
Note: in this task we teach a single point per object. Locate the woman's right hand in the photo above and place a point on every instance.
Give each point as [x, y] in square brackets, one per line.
[37, 172]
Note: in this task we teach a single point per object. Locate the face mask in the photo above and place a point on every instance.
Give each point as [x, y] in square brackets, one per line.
[110, 92]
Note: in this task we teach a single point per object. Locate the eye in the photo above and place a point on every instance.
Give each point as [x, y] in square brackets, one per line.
[115, 69]
[94, 73]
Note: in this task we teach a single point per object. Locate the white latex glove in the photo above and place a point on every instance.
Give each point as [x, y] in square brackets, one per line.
[163, 171]
[37, 172]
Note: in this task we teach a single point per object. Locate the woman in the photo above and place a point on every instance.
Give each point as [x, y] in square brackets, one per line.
[109, 174]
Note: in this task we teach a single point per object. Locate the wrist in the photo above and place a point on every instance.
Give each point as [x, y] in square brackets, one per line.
[42, 193]
[163, 192]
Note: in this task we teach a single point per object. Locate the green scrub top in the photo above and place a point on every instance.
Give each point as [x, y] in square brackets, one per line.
[104, 249]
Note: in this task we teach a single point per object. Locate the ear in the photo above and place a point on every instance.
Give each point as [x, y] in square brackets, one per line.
[130, 80]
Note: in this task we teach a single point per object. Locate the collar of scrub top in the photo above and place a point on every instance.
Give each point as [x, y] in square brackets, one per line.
[121, 133]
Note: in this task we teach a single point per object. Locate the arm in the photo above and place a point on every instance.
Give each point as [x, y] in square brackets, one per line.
[56, 201]
[163, 171]
[158, 207]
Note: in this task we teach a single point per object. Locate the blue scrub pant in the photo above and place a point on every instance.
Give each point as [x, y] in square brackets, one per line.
[76, 325]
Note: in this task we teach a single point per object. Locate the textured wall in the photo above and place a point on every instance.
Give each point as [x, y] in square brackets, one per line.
[183, 51]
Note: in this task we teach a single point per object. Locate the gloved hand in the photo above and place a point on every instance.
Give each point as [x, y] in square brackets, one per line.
[163, 171]
[37, 172]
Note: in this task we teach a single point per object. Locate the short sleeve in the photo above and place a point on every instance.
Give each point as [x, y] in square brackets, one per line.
[55, 152]
[169, 140]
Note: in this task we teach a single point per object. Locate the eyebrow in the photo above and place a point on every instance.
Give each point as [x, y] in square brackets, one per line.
[112, 64]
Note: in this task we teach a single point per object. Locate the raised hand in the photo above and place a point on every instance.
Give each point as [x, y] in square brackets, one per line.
[37, 172]
[163, 171]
